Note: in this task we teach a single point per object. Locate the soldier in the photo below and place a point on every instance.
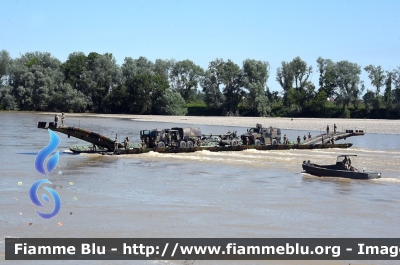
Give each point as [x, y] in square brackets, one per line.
[333, 140]
[55, 120]
[298, 139]
[247, 140]
[304, 137]
[126, 142]
[346, 162]
[334, 128]
[322, 139]
[327, 129]
[309, 135]
[62, 119]
[116, 143]
[143, 144]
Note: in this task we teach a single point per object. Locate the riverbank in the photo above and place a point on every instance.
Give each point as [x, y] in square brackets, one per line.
[312, 124]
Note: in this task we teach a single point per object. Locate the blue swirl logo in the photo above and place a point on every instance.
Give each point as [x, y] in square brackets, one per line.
[50, 165]
[35, 199]
[45, 152]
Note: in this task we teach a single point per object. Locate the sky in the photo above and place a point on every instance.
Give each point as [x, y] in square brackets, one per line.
[363, 32]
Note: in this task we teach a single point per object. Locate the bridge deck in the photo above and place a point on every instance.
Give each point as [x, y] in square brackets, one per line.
[328, 137]
[85, 135]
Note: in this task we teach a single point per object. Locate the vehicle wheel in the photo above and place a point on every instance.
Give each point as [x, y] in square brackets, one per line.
[182, 144]
[257, 142]
[274, 142]
[161, 145]
[189, 144]
[234, 143]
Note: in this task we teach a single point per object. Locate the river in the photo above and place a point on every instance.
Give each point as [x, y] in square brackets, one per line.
[202, 194]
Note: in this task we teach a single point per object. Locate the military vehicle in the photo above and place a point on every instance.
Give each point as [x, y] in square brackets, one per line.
[230, 138]
[175, 137]
[261, 136]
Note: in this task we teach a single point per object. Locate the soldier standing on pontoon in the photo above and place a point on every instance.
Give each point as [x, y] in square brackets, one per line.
[62, 119]
[55, 120]
[116, 143]
[126, 142]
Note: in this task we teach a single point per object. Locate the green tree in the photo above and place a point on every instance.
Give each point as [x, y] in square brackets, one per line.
[103, 78]
[388, 96]
[5, 61]
[118, 100]
[211, 83]
[34, 78]
[73, 68]
[163, 68]
[327, 76]
[357, 94]
[255, 76]
[185, 77]
[347, 81]
[260, 103]
[143, 91]
[170, 103]
[285, 76]
[396, 83]
[369, 100]
[301, 73]
[294, 75]
[316, 104]
[376, 75]
[230, 76]
[7, 100]
[68, 98]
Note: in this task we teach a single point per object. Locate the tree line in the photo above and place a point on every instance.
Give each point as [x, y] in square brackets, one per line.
[96, 83]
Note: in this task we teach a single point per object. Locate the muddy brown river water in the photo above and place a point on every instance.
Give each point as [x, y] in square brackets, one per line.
[203, 194]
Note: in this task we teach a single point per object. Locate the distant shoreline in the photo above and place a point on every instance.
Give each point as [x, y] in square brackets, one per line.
[312, 124]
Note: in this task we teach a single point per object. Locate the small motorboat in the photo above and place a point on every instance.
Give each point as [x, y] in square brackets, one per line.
[343, 168]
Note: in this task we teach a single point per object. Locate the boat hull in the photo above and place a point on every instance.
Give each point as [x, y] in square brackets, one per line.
[334, 171]
[138, 150]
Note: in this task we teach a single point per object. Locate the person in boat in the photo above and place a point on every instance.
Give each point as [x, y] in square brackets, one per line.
[55, 120]
[126, 142]
[62, 119]
[116, 143]
[345, 162]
